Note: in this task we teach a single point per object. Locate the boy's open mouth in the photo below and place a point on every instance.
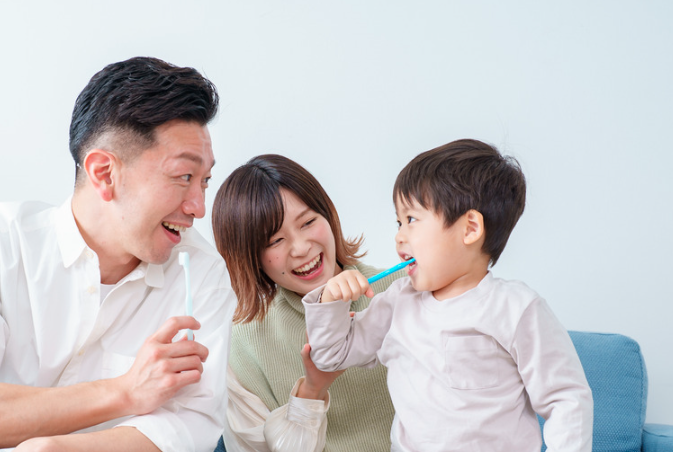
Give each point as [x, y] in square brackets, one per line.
[309, 268]
[406, 257]
[174, 229]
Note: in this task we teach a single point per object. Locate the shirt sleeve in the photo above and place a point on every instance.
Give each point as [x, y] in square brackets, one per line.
[339, 341]
[301, 424]
[554, 379]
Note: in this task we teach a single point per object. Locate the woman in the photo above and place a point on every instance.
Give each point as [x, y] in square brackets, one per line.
[280, 235]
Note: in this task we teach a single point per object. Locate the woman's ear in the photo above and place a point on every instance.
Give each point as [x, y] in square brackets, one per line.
[474, 227]
[99, 165]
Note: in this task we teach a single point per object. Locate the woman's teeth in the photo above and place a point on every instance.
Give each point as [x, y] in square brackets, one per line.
[175, 228]
[308, 268]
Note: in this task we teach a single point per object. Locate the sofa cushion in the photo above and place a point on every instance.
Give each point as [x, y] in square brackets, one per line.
[616, 373]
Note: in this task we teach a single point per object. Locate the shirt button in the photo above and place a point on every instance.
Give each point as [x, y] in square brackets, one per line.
[81, 352]
[89, 254]
[92, 289]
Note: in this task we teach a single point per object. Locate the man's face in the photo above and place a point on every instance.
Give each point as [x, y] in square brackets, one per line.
[161, 192]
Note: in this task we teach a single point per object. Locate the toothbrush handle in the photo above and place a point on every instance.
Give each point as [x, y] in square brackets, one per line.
[385, 273]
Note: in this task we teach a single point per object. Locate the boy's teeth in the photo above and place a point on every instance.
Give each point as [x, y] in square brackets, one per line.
[175, 227]
[308, 266]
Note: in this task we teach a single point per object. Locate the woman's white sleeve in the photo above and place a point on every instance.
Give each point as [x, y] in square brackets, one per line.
[300, 425]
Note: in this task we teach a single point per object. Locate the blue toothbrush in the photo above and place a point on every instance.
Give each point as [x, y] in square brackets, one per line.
[390, 270]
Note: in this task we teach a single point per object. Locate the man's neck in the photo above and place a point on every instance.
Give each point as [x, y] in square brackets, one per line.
[89, 220]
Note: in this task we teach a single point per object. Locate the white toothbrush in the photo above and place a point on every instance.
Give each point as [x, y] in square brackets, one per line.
[183, 259]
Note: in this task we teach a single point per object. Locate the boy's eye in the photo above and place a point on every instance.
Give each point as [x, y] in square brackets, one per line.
[399, 224]
[411, 219]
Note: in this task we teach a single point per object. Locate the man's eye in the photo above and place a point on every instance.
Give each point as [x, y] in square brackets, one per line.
[186, 177]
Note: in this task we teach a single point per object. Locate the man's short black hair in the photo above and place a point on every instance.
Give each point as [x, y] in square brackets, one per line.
[131, 98]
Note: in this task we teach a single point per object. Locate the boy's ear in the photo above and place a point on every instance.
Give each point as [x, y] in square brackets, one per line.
[99, 165]
[474, 227]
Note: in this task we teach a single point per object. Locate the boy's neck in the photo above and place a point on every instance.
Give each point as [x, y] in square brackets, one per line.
[462, 284]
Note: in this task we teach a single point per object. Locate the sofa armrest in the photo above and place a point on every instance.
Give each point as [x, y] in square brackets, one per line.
[657, 438]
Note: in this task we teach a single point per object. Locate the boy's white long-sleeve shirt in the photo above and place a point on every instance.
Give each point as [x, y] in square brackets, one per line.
[465, 374]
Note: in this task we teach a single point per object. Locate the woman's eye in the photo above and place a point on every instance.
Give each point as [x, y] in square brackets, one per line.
[274, 242]
[309, 222]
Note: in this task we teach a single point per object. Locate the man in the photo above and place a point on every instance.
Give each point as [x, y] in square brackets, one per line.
[92, 297]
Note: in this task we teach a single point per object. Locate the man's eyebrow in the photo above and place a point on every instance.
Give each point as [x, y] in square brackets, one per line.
[192, 158]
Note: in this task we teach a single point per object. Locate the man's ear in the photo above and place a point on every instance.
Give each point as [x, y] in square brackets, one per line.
[99, 166]
[474, 227]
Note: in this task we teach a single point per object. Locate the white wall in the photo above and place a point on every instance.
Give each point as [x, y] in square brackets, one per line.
[580, 92]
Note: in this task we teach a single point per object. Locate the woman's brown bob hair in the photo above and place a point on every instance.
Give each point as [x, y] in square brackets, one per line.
[248, 211]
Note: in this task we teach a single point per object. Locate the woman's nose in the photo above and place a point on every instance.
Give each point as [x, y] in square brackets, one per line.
[300, 247]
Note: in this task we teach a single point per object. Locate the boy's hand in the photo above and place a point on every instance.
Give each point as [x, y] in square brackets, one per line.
[349, 285]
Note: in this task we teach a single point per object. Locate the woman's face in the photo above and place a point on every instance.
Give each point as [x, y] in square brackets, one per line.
[301, 256]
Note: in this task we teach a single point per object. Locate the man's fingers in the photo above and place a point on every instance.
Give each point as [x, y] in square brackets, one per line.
[187, 377]
[186, 348]
[183, 364]
[170, 328]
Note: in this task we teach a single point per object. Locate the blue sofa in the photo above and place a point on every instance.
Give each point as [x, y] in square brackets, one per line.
[616, 372]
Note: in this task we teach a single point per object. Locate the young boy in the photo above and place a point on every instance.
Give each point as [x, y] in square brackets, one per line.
[471, 358]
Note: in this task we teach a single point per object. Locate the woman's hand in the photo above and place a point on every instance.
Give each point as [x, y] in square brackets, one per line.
[349, 285]
[317, 382]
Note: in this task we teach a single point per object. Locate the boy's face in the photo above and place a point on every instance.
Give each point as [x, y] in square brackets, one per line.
[448, 260]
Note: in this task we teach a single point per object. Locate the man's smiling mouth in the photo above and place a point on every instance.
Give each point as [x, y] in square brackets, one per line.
[175, 229]
[309, 268]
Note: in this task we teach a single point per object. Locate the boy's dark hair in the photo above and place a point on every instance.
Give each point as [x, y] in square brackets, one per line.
[464, 175]
[248, 210]
[129, 99]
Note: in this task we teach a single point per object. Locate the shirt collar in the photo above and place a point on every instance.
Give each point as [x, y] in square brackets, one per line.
[72, 247]
[70, 241]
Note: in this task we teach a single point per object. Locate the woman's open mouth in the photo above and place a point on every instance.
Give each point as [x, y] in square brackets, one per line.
[309, 268]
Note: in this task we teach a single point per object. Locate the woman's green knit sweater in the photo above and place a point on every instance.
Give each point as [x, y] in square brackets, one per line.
[265, 358]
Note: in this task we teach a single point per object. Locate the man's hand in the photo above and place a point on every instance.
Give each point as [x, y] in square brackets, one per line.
[163, 367]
